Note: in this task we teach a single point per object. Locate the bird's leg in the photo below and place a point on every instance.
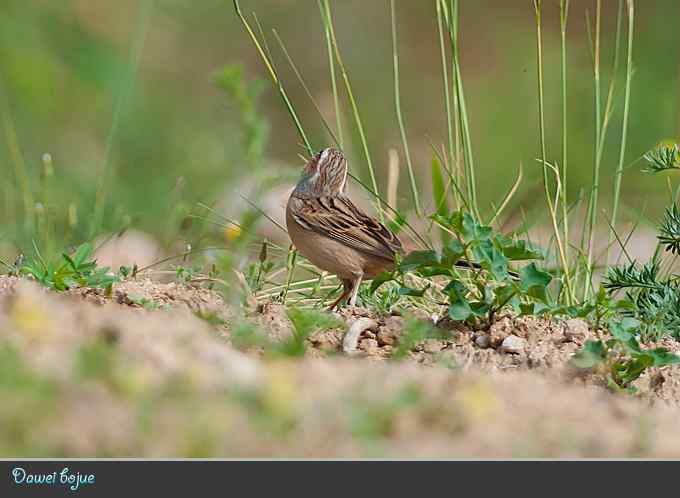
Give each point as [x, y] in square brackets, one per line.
[346, 289]
[355, 288]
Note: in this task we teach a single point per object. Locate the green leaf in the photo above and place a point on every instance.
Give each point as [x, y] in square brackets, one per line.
[459, 307]
[381, 279]
[409, 291]
[534, 282]
[417, 259]
[663, 357]
[491, 259]
[634, 368]
[473, 231]
[621, 331]
[504, 293]
[459, 310]
[480, 308]
[518, 250]
[82, 253]
[452, 252]
[592, 353]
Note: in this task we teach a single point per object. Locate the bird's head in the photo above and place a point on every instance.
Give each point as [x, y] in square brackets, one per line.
[324, 175]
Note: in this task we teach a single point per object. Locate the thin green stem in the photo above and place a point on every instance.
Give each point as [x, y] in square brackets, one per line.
[463, 122]
[353, 103]
[400, 118]
[564, 15]
[544, 163]
[331, 66]
[594, 194]
[626, 106]
[447, 96]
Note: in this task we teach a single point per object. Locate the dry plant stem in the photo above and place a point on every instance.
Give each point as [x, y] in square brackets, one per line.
[400, 118]
[355, 108]
[392, 177]
[508, 196]
[546, 184]
[626, 105]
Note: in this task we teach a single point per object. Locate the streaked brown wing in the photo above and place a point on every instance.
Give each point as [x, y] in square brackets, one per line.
[339, 219]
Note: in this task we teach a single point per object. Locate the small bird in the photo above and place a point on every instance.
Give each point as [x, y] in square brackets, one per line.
[329, 230]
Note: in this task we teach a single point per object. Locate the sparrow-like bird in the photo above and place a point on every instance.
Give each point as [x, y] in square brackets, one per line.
[329, 230]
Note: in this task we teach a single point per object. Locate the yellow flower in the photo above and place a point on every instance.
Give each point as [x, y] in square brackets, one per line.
[232, 232]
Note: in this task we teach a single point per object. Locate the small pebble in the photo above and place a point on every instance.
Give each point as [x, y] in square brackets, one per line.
[483, 341]
[513, 344]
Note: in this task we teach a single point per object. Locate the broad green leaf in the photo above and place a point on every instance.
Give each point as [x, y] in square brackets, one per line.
[82, 253]
[518, 250]
[473, 231]
[459, 307]
[417, 259]
[663, 357]
[534, 282]
[409, 291]
[452, 253]
[491, 259]
[459, 310]
[381, 279]
[592, 353]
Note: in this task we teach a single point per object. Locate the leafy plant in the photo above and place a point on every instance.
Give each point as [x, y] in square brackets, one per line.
[621, 359]
[146, 303]
[490, 285]
[77, 270]
[664, 157]
[652, 297]
[304, 323]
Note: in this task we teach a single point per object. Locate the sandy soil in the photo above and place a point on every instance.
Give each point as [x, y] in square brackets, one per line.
[91, 375]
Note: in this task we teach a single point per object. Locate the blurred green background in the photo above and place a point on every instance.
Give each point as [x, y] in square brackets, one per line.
[124, 96]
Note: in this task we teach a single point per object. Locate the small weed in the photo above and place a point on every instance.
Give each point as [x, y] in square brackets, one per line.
[621, 359]
[69, 272]
[305, 322]
[146, 303]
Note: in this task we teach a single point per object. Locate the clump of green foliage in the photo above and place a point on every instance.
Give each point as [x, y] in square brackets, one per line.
[304, 323]
[652, 289]
[490, 284]
[621, 359]
[70, 271]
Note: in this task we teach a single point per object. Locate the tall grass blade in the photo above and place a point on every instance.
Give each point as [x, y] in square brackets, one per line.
[353, 103]
[545, 165]
[331, 68]
[626, 107]
[400, 118]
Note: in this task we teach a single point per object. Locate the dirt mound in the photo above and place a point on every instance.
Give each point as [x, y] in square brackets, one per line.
[87, 374]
